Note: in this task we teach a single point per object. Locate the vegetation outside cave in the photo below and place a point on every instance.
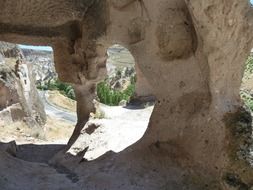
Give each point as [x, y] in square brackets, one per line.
[119, 86]
[246, 90]
[107, 95]
[65, 89]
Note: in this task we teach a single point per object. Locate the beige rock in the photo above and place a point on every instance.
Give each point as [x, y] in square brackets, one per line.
[192, 56]
[17, 86]
[143, 90]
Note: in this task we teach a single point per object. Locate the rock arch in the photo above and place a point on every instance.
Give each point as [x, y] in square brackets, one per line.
[192, 54]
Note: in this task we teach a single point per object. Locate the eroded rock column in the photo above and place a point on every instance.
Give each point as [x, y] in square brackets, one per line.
[192, 54]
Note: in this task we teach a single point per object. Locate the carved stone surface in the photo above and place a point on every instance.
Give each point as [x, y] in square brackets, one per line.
[192, 55]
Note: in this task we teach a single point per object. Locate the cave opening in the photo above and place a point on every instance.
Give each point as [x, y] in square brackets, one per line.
[47, 106]
[37, 110]
[124, 104]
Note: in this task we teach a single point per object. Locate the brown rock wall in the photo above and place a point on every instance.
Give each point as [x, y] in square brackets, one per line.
[192, 55]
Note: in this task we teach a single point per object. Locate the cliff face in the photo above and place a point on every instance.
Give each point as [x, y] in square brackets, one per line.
[191, 54]
[8, 92]
[18, 92]
[42, 65]
[6, 47]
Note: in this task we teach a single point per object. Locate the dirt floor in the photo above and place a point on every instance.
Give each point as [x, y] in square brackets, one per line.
[34, 149]
[118, 128]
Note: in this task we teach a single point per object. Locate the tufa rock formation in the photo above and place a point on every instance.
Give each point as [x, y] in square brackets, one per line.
[192, 55]
[19, 99]
[120, 59]
[43, 65]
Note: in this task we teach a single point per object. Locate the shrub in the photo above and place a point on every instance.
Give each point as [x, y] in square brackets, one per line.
[111, 97]
[248, 67]
[247, 99]
[41, 87]
[71, 93]
[245, 94]
[65, 89]
[133, 79]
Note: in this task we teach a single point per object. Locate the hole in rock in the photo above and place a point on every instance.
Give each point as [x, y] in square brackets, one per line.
[251, 2]
[124, 105]
[37, 111]
[244, 127]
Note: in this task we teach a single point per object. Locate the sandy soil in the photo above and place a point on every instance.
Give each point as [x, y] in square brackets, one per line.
[54, 132]
[119, 128]
[56, 98]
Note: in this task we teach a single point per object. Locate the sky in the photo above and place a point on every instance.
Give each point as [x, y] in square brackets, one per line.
[251, 1]
[44, 48]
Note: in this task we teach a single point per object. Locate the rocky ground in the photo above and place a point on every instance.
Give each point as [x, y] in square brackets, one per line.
[19, 98]
[119, 128]
[34, 151]
[55, 131]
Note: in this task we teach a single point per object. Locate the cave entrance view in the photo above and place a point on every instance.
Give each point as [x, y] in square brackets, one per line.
[124, 103]
[38, 111]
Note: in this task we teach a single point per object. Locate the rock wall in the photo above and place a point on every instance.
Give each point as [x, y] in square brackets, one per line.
[19, 98]
[143, 90]
[43, 65]
[8, 92]
[192, 54]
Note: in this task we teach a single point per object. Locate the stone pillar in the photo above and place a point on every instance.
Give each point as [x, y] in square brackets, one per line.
[84, 96]
[143, 90]
[192, 54]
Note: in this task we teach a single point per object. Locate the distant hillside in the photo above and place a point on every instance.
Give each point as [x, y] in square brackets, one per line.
[40, 53]
[43, 64]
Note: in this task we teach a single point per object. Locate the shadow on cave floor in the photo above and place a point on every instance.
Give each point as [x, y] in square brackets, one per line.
[138, 104]
[38, 153]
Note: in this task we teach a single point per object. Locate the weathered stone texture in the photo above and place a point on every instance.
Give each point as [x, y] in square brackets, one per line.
[17, 86]
[191, 53]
